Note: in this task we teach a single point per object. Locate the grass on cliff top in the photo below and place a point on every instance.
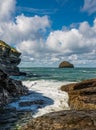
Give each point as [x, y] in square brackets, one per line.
[3, 44]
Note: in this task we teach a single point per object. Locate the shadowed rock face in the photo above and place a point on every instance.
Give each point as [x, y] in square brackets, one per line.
[9, 88]
[9, 59]
[65, 64]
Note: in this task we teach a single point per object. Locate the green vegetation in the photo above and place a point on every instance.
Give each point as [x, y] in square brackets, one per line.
[3, 44]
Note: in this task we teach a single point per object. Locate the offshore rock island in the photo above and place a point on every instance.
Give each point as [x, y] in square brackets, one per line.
[66, 64]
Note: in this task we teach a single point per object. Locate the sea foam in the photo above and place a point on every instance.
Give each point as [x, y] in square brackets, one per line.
[47, 91]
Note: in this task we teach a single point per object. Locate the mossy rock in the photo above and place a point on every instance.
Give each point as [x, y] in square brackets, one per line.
[12, 49]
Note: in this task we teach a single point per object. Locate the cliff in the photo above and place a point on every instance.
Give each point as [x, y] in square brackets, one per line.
[66, 64]
[9, 88]
[9, 59]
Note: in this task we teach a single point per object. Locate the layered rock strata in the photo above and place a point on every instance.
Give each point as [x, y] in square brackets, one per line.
[82, 95]
[9, 59]
[9, 88]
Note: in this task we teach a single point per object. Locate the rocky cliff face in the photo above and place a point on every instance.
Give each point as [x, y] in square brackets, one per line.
[9, 59]
[66, 64]
[9, 88]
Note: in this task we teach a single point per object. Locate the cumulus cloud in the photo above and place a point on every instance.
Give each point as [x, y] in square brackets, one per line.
[7, 8]
[89, 6]
[74, 44]
[30, 36]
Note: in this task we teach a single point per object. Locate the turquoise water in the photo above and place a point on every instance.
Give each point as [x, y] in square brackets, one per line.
[44, 85]
[70, 74]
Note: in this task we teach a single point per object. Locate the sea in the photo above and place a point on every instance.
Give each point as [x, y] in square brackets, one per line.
[44, 88]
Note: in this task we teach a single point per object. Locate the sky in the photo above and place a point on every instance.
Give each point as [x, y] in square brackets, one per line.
[47, 32]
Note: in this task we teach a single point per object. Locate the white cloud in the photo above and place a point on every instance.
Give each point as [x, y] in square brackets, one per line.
[24, 28]
[74, 44]
[89, 6]
[28, 35]
[7, 8]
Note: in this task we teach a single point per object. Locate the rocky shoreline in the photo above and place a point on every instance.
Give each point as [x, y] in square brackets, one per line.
[82, 101]
[82, 115]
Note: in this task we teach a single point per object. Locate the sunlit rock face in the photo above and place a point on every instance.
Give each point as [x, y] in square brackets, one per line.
[9, 59]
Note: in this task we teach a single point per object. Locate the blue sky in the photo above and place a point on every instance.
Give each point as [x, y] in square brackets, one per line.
[60, 12]
[48, 32]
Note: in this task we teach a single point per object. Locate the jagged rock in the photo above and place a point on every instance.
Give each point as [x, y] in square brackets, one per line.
[66, 64]
[82, 95]
[9, 88]
[9, 59]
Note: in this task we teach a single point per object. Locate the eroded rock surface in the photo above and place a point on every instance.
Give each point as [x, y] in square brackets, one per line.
[9, 88]
[64, 120]
[82, 95]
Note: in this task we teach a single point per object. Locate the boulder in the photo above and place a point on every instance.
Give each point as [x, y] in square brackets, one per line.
[82, 96]
[66, 64]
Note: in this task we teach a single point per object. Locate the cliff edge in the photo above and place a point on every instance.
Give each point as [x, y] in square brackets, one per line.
[9, 88]
[9, 59]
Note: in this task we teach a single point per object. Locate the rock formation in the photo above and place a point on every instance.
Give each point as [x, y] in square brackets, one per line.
[64, 120]
[82, 113]
[66, 64]
[9, 59]
[9, 88]
[82, 95]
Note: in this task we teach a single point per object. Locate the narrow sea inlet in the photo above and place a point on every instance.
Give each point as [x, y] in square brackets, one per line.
[45, 96]
[44, 84]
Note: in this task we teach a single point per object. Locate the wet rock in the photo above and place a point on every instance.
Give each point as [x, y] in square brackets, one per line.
[66, 64]
[29, 103]
[11, 118]
[10, 89]
[82, 95]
